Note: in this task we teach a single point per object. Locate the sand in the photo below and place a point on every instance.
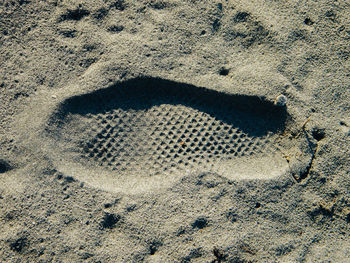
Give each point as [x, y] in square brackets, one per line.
[149, 131]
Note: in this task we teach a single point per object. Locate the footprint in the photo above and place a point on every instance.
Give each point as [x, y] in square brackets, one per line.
[146, 133]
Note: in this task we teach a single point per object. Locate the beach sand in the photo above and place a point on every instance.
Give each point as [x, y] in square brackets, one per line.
[174, 131]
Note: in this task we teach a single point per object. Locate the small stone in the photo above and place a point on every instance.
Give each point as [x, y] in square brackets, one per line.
[281, 101]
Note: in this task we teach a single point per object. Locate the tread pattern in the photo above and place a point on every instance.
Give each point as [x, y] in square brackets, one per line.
[157, 126]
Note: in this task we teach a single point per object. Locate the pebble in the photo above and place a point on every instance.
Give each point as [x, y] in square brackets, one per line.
[281, 101]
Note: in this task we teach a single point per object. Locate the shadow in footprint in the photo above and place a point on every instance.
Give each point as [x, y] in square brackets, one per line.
[251, 114]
